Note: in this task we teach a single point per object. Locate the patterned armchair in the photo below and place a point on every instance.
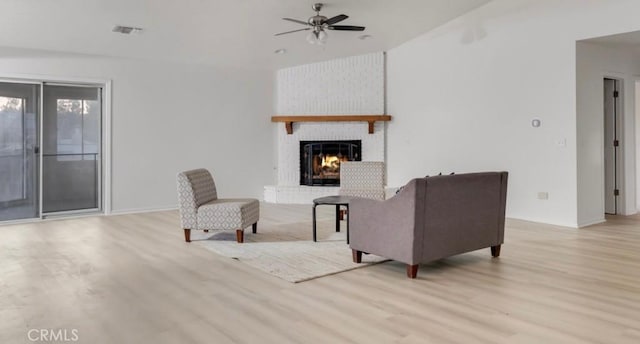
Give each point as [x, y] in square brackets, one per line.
[362, 179]
[201, 209]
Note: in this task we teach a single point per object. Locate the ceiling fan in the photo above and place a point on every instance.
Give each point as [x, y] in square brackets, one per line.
[319, 24]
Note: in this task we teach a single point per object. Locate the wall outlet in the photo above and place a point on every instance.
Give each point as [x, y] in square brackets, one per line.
[543, 195]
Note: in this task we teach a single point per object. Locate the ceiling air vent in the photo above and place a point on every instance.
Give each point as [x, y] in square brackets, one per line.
[127, 30]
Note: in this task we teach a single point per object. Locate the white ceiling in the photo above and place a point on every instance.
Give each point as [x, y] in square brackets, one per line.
[221, 32]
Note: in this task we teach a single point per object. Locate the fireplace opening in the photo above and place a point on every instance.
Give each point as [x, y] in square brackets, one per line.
[320, 160]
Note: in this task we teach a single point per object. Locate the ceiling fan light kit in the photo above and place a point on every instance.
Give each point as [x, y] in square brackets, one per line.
[318, 25]
[318, 37]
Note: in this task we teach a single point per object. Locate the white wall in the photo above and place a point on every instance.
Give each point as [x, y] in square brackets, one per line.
[464, 102]
[170, 117]
[594, 63]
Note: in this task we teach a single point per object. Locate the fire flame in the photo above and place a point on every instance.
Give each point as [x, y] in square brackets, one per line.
[331, 161]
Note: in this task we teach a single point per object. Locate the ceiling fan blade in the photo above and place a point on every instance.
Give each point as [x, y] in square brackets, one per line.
[284, 33]
[296, 21]
[346, 28]
[336, 19]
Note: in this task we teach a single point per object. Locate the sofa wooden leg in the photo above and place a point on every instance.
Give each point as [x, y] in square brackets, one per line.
[206, 231]
[187, 235]
[412, 270]
[254, 228]
[357, 256]
[342, 213]
[240, 236]
[495, 251]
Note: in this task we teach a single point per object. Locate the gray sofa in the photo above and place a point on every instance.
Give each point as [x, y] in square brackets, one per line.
[432, 218]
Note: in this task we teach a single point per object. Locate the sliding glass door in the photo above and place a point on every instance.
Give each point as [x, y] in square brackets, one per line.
[71, 148]
[19, 151]
[50, 149]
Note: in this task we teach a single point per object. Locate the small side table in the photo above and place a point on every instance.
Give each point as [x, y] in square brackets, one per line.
[331, 200]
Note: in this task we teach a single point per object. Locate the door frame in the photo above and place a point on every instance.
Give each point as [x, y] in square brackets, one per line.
[628, 145]
[618, 125]
[106, 85]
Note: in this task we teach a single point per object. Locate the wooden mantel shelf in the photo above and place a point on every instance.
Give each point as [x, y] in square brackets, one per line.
[371, 119]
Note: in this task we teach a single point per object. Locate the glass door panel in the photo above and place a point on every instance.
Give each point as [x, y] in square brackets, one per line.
[71, 148]
[19, 163]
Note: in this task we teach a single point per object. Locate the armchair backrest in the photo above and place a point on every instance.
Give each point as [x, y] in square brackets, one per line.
[195, 188]
[362, 179]
[463, 213]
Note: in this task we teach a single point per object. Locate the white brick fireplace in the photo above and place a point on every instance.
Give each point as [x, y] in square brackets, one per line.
[353, 85]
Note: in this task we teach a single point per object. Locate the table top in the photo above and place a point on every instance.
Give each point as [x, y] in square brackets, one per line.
[335, 200]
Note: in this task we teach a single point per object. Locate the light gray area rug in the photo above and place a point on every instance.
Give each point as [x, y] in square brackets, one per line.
[284, 254]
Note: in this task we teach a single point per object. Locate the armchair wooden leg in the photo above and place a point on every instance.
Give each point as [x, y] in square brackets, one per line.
[187, 235]
[357, 256]
[240, 236]
[255, 228]
[342, 213]
[412, 270]
[495, 251]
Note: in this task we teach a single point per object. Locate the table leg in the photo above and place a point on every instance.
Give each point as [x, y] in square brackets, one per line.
[314, 222]
[337, 218]
[348, 219]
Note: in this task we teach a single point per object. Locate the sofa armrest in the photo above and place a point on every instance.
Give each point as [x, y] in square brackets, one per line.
[386, 228]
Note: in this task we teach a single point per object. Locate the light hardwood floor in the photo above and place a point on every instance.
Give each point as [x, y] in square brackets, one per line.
[132, 279]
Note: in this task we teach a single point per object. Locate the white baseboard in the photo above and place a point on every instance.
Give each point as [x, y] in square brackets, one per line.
[142, 210]
[591, 222]
[541, 221]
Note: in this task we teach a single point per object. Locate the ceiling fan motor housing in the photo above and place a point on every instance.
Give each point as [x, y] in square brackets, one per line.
[317, 20]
